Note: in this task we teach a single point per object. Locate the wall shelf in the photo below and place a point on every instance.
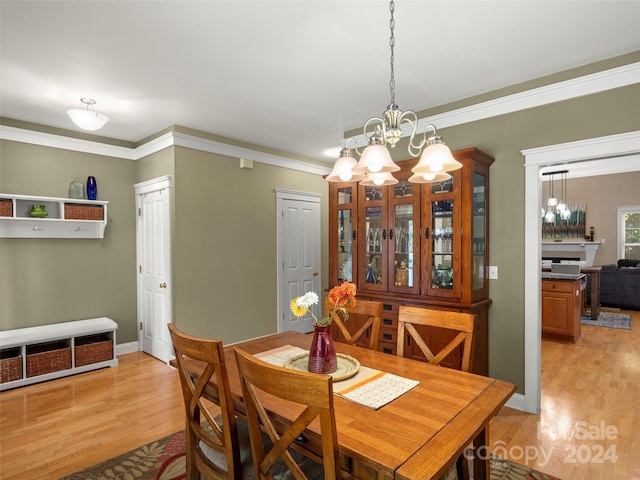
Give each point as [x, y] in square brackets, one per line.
[67, 217]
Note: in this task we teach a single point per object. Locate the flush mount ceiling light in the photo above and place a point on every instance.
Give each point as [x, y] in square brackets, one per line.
[436, 158]
[86, 118]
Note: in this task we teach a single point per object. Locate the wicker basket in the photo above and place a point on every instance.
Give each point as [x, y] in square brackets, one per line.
[6, 207]
[48, 357]
[93, 349]
[73, 211]
[10, 365]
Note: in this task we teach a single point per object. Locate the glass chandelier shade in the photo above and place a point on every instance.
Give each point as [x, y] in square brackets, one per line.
[375, 159]
[87, 119]
[343, 168]
[549, 217]
[379, 179]
[436, 158]
[429, 177]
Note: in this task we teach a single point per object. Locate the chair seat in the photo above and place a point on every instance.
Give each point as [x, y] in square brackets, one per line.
[312, 469]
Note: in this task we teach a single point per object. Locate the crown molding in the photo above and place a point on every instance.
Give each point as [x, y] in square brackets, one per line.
[66, 143]
[577, 87]
[556, 92]
[167, 140]
[211, 146]
[619, 145]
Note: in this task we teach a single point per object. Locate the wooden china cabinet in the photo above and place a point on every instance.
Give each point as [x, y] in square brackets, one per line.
[425, 245]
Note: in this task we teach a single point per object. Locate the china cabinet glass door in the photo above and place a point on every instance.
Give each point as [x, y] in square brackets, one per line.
[479, 233]
[443, 239]
[404, 262]
[373, 240]
[342, 243]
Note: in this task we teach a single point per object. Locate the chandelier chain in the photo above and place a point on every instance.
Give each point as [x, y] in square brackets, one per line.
[392, 43]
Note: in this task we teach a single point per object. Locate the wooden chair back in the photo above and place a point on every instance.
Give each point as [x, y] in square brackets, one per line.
[463, 323]
[312, 391]
[202, 426]
[365, 308]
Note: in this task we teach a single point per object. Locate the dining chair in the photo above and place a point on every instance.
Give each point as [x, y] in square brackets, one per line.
[218, 445]
[460, 322]
[369, 309]
[311, 397]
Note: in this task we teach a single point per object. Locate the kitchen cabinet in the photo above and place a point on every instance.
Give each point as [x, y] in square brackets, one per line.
[561, 307]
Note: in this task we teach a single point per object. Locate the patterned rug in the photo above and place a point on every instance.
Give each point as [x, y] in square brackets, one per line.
[609, 319]
[164, 459]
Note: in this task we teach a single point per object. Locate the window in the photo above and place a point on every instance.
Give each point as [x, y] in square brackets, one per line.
[629, 232]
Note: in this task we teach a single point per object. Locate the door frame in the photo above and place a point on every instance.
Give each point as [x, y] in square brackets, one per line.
[142, 188]
[622, 145]
[283, 195]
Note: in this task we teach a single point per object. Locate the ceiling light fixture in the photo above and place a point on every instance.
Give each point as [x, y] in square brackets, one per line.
[556, 209]
[87, 119]
[436, 159]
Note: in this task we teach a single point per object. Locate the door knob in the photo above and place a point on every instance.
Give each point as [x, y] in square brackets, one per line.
[315, 274]
[163, 285]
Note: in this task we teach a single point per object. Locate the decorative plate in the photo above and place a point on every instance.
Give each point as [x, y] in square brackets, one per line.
[347, 366]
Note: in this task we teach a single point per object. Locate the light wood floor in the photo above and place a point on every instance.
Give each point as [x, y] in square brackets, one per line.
[56, 428]
[590, 390]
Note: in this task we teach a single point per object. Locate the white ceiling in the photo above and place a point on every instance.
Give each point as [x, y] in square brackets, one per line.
[289, 75]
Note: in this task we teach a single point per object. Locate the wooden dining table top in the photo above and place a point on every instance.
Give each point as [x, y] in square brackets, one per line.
[433, 421]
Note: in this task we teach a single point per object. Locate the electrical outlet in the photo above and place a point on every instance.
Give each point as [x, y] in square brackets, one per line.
[493, 273]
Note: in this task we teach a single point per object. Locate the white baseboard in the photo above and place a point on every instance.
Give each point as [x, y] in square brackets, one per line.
[126, 348]
[516, 402]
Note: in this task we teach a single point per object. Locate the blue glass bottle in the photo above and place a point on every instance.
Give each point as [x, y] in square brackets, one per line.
[92, 188]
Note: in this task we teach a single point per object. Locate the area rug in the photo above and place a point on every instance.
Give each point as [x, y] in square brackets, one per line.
[164, 459]
[609, 319]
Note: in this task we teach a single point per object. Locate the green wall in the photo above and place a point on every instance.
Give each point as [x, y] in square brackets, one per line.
[47, 281]
[225, 277]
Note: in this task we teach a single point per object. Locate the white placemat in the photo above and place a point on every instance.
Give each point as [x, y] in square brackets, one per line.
[281, 355]
[369, 387]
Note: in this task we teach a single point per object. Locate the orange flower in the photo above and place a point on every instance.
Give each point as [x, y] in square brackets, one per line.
[343, 295]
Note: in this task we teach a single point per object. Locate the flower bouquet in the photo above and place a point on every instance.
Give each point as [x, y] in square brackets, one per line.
[322, 355]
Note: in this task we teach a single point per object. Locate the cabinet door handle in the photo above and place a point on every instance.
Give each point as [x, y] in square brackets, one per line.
[353, 235]
[384, 234]
[391, 234]
[426, 232]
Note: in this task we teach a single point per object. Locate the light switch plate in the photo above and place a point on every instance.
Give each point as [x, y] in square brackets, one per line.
[493, 273]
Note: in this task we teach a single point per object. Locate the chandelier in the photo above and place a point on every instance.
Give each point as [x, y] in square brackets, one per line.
[557, 210]
[87, 119]
[375, 166]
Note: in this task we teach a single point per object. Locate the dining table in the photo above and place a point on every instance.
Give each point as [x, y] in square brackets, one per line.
[417, 434]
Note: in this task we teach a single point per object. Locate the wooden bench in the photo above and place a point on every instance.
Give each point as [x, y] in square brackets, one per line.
[36, 354]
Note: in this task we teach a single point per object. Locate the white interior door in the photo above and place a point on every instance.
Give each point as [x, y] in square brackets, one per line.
[153, 227]
[298, 255]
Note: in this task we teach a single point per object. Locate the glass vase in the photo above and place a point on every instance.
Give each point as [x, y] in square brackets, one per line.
[92, 188]
[322, 355]
[76, 189]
